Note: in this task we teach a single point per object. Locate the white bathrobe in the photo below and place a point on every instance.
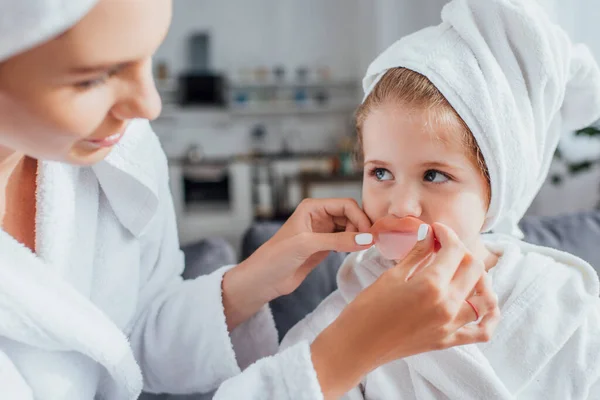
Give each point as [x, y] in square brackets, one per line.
[101, 304]
[547, 345]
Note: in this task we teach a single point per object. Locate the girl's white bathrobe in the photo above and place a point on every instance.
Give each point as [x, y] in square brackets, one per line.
[101, 304]
[547, 345]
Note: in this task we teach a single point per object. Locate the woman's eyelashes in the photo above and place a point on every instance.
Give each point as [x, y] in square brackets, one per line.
[90, 83]
[430, 176]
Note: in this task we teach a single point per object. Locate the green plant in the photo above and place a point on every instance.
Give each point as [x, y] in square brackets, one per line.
[578, 167]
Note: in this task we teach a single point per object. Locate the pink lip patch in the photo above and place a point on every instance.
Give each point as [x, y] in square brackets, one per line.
[395, 237]
[396, 245]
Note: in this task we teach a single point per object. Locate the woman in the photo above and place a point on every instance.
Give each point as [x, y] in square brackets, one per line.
[90, 266]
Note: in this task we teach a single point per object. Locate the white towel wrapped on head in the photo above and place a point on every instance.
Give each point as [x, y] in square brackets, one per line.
[516, 80]
[27, 23]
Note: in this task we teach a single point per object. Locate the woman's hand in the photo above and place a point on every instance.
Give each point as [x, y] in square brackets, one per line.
[280, 265]
[397, 317]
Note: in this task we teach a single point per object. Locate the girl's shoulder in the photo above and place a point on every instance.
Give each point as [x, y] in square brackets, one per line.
[550, 309]
[526, 261]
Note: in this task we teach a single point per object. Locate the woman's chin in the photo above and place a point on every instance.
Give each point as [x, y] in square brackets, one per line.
[87, 156]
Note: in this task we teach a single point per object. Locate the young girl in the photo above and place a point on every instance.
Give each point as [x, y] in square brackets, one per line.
[458, 127]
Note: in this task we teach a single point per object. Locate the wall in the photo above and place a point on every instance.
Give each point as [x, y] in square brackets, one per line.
[344, 34]
[266, 33]
[580, 19]
[396, 18]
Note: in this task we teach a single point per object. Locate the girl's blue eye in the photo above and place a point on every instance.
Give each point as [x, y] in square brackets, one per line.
[435, 176]
[382, 174]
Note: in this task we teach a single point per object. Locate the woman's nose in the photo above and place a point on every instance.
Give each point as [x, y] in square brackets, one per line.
[140, 99]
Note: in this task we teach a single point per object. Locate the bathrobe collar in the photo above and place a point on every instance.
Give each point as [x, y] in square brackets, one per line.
[128, 178]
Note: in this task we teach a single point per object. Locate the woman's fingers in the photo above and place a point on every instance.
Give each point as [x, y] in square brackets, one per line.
[346, 208]
[311, 243]
[477, 333]
[351, 228]
[342, 224]
[422, 249]
[487, 314]
[474, 309]
[468, 274]
[449, 257]
[456, 274]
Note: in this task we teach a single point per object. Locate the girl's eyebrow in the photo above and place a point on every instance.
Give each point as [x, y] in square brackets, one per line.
[377, 162]
[442, 165]
[425, 165]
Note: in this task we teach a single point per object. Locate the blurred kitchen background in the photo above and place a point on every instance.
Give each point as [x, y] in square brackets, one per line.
[259, 98]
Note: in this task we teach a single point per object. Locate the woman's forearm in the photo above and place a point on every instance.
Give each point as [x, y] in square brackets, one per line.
[339, 361]
[242, 295]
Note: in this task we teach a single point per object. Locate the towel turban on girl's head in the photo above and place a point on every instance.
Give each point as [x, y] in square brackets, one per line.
[516, 80]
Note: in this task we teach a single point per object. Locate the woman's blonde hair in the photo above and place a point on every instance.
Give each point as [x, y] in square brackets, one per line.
[408, 87]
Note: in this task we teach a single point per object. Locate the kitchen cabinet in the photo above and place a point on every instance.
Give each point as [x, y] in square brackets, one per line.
[198, 141]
